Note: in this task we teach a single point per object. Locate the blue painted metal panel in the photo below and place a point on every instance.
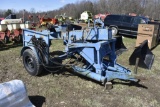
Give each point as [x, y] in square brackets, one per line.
[99, 34]
[76, 35]
[28, 34]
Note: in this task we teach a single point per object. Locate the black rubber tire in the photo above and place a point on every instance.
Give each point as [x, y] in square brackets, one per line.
[6, 39]
[31, 63]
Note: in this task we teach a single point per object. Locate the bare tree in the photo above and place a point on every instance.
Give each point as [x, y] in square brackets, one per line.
[141, 7]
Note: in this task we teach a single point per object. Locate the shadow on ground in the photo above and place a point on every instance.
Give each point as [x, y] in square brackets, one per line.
[8, 46]
[37, 100]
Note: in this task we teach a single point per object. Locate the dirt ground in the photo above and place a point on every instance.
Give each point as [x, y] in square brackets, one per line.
[69, 90]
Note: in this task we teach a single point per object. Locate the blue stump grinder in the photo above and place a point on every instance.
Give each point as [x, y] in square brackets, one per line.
[92, 48]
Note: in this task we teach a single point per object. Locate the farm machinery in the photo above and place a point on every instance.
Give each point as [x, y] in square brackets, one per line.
[31, 21]
[89, 52]
[45, 21]
[12, 32]
[64, 19]
[11, 19]
[11, 29]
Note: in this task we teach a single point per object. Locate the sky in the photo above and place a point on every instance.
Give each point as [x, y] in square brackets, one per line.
[38, 5]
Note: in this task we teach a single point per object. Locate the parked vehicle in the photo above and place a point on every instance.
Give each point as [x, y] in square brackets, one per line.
[124, 24]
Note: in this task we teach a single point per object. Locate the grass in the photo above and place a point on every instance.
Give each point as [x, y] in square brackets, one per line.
[68, 90]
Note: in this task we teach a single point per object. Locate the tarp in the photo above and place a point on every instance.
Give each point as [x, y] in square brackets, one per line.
[14, 94]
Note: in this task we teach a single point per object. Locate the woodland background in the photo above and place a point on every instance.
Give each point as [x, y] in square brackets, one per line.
[149, 8]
